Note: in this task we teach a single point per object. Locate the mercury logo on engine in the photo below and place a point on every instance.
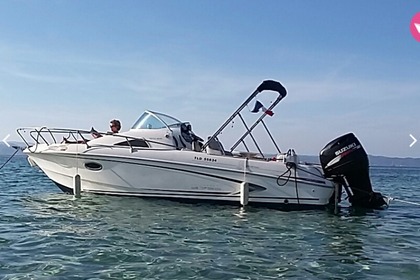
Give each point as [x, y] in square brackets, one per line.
[348, 147]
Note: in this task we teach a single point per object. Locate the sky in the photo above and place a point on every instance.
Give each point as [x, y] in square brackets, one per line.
[348, 66]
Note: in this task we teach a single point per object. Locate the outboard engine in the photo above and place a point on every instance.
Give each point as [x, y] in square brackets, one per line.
[344, 161]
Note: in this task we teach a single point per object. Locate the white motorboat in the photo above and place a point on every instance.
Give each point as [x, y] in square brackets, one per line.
[161, 157]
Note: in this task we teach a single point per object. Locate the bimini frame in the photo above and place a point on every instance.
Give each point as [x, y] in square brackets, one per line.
[265, 85]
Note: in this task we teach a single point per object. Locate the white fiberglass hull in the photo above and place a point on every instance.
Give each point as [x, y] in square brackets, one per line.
[182, 175]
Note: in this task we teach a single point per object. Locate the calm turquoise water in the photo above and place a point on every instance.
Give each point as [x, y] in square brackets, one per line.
[45, 234]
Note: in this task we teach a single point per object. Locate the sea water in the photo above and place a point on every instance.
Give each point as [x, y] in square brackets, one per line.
[46, 234]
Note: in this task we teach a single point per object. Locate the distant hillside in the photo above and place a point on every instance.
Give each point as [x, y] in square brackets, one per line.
[7, 151]
[376, 161]
[394, 161]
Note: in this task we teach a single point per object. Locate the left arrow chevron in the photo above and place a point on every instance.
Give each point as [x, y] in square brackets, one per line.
[5, 140]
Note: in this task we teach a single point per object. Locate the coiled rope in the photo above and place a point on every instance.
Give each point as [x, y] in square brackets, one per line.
[288, 170]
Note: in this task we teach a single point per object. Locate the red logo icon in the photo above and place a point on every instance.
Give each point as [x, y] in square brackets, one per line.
[415, 27]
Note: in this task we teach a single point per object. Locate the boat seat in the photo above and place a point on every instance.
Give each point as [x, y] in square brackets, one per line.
[215, 147]
[186, 133]
[196, 146]
[228, 153]
[281, 157]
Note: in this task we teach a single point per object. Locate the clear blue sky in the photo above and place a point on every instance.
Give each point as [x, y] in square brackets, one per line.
[347, 65]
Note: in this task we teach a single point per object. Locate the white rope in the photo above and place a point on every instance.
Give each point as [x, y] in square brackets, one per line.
[405, 201]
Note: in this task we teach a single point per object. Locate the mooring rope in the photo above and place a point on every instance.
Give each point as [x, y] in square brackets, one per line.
[17, 149]
[404, 201]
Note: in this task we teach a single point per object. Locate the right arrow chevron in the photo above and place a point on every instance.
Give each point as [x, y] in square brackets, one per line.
[414, 140]
[417, 25]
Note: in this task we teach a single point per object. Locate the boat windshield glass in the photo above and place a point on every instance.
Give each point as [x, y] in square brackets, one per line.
[152, 120]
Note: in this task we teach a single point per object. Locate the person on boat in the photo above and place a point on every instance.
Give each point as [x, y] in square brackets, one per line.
[115, 126]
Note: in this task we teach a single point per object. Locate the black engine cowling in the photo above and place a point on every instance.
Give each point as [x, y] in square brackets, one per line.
[344, 161]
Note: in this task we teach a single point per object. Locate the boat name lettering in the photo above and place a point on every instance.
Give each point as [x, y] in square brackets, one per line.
[348, 147]
[209, 188]
[206, 159]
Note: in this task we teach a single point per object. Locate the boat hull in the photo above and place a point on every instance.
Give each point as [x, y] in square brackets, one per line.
[185, 176]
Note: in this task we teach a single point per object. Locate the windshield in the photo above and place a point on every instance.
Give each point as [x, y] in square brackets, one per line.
[153, 120]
